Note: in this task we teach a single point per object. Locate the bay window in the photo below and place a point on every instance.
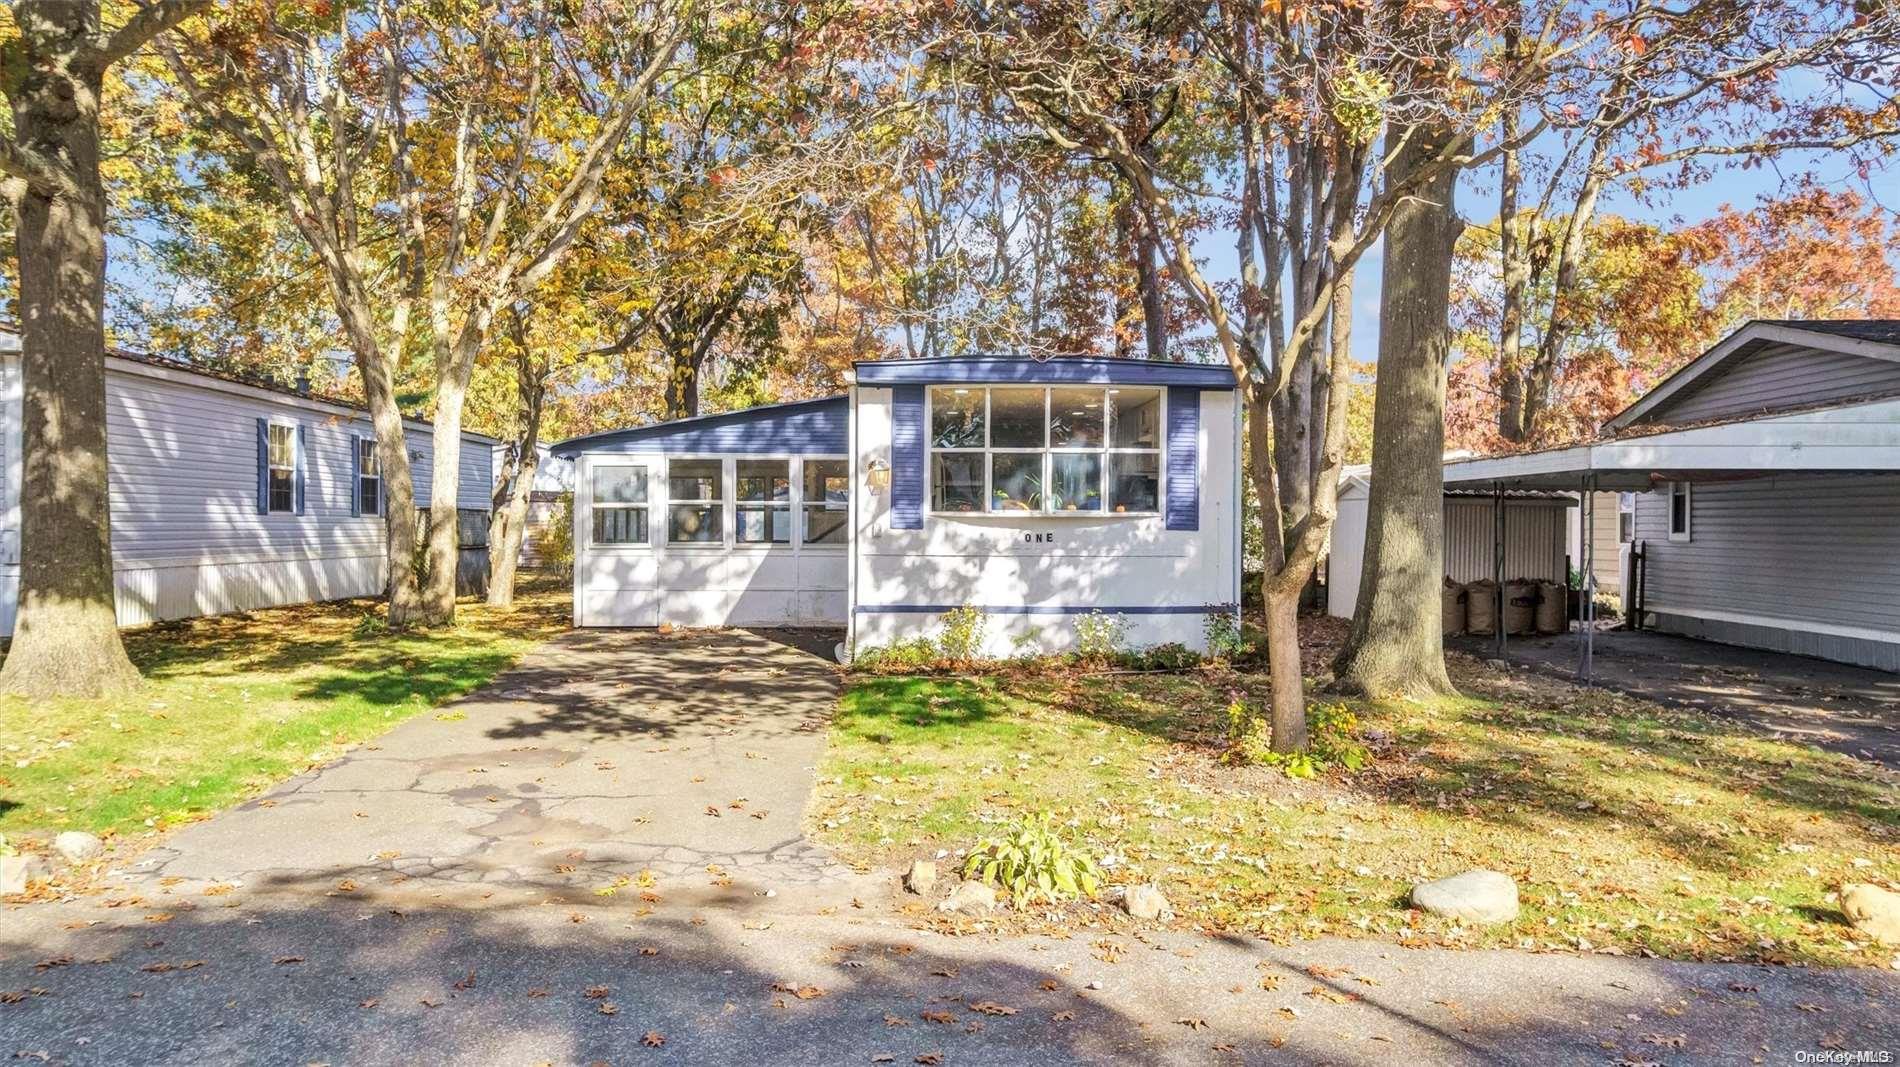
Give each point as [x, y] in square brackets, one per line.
[1048, 450]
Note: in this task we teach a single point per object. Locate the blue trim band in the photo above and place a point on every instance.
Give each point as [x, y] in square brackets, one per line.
[1043, 609]
[1058, 370]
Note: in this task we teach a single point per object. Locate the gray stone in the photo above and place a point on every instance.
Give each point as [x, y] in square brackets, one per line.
[13, 871]
[921, 878]
[77, 847]
[1146, 902]
[1874, 911]
[1475, 896]
[969, 896]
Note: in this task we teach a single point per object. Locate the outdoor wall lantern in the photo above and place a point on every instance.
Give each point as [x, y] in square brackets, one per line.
[878, 475]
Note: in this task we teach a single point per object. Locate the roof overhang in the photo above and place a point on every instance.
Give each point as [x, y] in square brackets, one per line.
[1856, 438]
[1747, 338]
[1062, 370]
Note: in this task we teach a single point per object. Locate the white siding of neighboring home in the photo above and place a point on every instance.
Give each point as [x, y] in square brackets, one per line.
[1534, 531]
[1780, 376]
[1795, 563]
[1607, 549]
[187, 538]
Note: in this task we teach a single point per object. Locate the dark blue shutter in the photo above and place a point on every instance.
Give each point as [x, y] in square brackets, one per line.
[263, 466]
[356, 477]
[303, 449]
[907, 457]
[1184, 458]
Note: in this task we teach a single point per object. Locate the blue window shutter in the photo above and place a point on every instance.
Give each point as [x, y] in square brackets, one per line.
[263, 466]
[302, 450]
[356, 477]
[1184, 458]
[907, 457]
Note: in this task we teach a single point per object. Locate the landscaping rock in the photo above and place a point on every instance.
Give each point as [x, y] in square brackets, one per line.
[13, 870]
[921, 878]
[1874, 911]
[969, 896]
[1474, 896]
[1146, 902]
[77, 847]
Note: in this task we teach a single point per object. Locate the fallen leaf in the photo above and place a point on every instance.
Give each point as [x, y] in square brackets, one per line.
[942, 1017]
[596, 992]
[369, 1002]
[607, 1007]
[281, 960]
[894, 1020]
[468, 981]
[653, 1039]
[1194, 1022]
[1062, 1017]
[990, 1007]
[929, 1059]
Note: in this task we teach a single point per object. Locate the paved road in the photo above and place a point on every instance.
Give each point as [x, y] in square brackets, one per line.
[389, 976]
[605, 752]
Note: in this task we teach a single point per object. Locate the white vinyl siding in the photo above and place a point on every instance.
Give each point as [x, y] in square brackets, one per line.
[187, 538]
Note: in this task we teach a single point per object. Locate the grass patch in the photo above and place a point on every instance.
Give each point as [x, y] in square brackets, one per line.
[1630, 827]
[236, 703]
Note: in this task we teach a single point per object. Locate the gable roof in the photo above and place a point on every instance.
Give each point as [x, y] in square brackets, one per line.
[809, 427]
[1870, 338]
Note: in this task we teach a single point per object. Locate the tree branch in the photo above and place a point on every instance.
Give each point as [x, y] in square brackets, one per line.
[147, 22]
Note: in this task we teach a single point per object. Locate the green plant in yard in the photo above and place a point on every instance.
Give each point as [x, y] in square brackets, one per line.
[904, 657]
[962, 639]
[1224, 639]
[1331, 741]
[1033, 863]
[556, 546]
[1099, 636]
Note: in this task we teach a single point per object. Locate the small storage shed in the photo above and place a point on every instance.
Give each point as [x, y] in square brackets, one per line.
[1037, 492]
[1536, 530]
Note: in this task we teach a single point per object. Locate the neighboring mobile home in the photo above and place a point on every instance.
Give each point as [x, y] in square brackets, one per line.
[1035, 491]
[1763, 489]
[229, 495]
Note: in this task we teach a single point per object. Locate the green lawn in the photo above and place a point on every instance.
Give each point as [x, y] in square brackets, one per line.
[236, 703]
[1629, 827]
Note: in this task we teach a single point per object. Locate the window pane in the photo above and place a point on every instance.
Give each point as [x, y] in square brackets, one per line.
[620, 526]
[1016, 481]
[761, 524]
[956, 418]
[956, 481]
[620, 485]
[695, 524]
[367, 463]
[1136, 415]
[696, 479]
[1134, 481]
[827, 481]
[1075, 482]
[283, 496]
[1016, 418]
[282, 446]
[369, 495]
[765, 479]
[824, 527]
[1075, 418]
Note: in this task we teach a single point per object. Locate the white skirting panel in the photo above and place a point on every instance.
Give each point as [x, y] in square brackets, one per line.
[156, 593]
[1007, 634]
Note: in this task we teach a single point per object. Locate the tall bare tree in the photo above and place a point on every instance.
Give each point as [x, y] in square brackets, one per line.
[66, 637]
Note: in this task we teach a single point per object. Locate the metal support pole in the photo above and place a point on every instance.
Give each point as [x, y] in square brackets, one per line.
[1587, 611]
[1497, 561]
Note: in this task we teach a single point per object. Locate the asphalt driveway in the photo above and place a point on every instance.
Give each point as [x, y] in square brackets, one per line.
[603, 755]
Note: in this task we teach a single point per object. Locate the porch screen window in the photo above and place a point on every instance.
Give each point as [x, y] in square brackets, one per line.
[283, 468]
[765, 502]
[827, 501]
[620, 505]
[1046, 450]
[1681, 501]
[369, 478]
[698, 491]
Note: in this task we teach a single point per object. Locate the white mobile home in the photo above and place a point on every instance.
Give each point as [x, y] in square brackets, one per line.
[1035, 491]
[228, 495]
[1763, 489]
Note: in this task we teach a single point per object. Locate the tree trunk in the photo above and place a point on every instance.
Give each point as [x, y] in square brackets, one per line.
[66, 637]
[1283, 663]
[1154, 303]
[682, 382]
[508, 523]
[438, 590]
[1396, 646]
